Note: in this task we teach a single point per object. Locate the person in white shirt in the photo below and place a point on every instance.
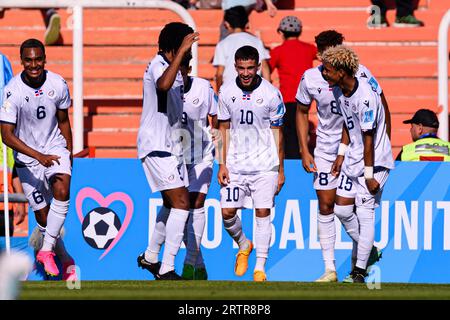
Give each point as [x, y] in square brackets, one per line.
[160, 149]
[198, 119]
[236, 21]
[369, 156]
[329, 189]
[35, 124]
[250, 122]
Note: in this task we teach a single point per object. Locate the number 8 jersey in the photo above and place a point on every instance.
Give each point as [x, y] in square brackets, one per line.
[33, 111]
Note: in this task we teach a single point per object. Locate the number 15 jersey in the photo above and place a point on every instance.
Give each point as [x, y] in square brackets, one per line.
[33, 111]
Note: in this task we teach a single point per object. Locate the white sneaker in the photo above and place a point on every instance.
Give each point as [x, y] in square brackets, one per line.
[328, 276]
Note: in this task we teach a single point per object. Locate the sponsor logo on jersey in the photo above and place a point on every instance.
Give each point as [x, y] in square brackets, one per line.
[8, 94]
[319, 90]
[38, 93]
[259, 101]
[27, 99]
[246, 96]
[233, 99]
[51, 93]
[366, 102]
[363, 75]
[195, 101]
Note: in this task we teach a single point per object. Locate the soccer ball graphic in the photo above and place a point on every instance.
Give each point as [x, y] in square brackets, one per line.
[100, 227]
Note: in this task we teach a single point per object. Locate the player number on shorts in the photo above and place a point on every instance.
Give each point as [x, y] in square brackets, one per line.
[248, 117]
[323, 178]
[41, 112]
[37, 196]
[348, 184]
[184, 118]
[232, 195]
[334, 107]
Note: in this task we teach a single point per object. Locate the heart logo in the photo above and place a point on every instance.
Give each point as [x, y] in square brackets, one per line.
[105, 202]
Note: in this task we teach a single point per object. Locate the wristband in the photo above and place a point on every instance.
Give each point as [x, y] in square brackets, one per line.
[368, 173]
[342, 148]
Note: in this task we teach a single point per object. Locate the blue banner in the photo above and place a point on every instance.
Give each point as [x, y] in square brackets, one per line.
[112, 210]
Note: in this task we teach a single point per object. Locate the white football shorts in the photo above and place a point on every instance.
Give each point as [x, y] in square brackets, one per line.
[165, 172]
[364, 198]
[36, 179]
[345, 187]
[323, 179]
[260, 187]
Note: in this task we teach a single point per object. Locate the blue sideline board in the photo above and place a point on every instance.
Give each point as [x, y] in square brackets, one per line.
[412, 225]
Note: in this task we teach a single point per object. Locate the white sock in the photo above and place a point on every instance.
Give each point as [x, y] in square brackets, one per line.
[174, 235]
[195, 227]
[348, 219]
[327, 238]
[234, 229]
[158, 236]
[55, 220]
[366, 219]
[263, 234]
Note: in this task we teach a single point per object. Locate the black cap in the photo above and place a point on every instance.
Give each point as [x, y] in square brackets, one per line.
[424, 117]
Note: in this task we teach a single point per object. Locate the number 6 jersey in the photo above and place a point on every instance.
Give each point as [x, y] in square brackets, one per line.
[33, 111]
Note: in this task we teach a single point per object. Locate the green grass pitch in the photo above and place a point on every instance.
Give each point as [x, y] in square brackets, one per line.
[228, 290]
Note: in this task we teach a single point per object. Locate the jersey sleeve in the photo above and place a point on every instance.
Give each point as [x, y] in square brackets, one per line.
[370, 79]
[303, 95]
[219, 56]
[10, 106]
[367, 114]
[277, 110]
[213, 102]
[64, 102]
[224, 112]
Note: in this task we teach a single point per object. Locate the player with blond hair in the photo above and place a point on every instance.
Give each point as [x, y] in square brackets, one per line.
[369, 157]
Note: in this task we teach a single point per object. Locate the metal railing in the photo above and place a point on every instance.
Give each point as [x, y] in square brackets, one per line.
[443, 57]
[78, 6]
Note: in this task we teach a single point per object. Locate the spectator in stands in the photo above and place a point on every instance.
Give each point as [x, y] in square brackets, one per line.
[292, 58]
[236, 21]
[426, 146]
[404, 14]
[52, 22]
[249, 6]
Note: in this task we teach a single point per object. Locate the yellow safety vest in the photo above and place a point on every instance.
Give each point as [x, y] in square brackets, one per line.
[426, 149]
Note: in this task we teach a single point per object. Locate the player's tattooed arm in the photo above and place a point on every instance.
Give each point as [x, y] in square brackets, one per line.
[302, 124]
[223, 175]
[345, 141]
[12, 141]
[279, 138]
[372, 185]
[387, 114]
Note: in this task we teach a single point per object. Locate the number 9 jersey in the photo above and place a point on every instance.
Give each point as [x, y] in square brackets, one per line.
[33, 111]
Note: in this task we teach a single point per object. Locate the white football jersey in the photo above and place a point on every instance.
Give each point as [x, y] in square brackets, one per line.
[161, 114]
[329, 128]
[33, 111]
[364, 111]
[225, 50]
[252, 147]
[199, 102]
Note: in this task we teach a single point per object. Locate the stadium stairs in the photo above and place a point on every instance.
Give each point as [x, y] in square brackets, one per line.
[120, 42]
